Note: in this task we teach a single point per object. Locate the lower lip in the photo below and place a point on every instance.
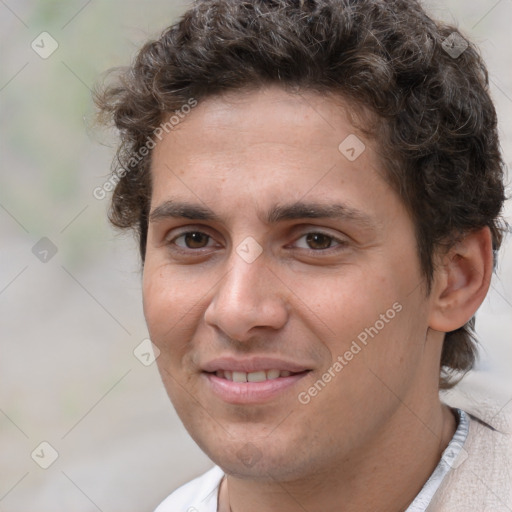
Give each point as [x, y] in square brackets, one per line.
[251, 392]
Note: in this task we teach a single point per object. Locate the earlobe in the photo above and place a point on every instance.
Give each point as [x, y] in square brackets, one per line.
[461, 281]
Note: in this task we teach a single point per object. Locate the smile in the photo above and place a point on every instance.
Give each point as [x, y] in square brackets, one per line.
[252, 388]
[258, 376]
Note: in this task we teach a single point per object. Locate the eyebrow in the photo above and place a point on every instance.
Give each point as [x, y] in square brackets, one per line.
[278, 213]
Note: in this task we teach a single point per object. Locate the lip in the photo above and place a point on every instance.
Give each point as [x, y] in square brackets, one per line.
[252, 364]
[246, 393]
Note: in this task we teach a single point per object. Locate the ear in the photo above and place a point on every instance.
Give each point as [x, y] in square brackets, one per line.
[461, 281]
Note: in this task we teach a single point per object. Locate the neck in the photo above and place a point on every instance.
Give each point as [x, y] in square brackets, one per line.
[386, 476]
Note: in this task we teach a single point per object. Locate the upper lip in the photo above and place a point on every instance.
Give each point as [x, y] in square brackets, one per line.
[252, 364]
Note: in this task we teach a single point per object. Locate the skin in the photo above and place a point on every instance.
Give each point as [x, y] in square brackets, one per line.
[371, 438]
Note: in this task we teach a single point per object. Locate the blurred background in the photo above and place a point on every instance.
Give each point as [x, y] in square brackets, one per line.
[77, 392]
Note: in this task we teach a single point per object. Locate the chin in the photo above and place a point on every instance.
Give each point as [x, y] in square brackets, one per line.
[258, 460]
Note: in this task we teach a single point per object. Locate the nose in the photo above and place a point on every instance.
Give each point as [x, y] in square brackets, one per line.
[248, 297]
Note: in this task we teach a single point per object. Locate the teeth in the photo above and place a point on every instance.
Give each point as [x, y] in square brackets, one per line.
[239, 377]
[258, 376]
[273, 374]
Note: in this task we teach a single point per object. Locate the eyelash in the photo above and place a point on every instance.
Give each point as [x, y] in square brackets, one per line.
[340, 243]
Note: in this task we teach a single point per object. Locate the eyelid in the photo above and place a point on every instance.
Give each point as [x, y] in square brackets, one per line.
[169, 239]
[188, 228]
[340, 241]
[185, 231]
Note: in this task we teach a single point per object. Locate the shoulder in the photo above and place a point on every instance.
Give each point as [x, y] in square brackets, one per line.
[480, 476]
[198, 495]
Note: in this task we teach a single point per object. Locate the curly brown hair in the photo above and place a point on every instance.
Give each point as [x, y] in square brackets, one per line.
[426, 86]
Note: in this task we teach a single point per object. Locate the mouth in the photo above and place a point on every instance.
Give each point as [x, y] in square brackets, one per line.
[257, 376]
[255, 387]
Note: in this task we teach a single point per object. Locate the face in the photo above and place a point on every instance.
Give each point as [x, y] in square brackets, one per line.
[281, 284]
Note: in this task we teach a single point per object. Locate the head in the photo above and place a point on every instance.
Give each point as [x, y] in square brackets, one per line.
[308, 180]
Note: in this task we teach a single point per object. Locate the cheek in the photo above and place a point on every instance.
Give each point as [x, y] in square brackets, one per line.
[354, 300]
[171, 312]
[169, 302]
[158, 301]
[378, 313]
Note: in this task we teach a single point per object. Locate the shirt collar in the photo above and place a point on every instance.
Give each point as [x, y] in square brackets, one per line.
[452, 457]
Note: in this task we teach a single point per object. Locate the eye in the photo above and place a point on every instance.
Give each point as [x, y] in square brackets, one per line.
[191, 240]
[318, 241]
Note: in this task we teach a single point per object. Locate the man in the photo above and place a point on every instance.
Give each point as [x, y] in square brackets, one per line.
[317, 188]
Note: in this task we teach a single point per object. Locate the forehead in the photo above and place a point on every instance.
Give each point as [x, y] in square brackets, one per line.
[258, 146]
[238, 121]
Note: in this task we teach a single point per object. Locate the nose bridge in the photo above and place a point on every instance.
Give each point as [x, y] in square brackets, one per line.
[248, 296]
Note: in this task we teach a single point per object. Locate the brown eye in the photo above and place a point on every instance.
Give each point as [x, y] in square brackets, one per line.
[318, 241]
[193, 240]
